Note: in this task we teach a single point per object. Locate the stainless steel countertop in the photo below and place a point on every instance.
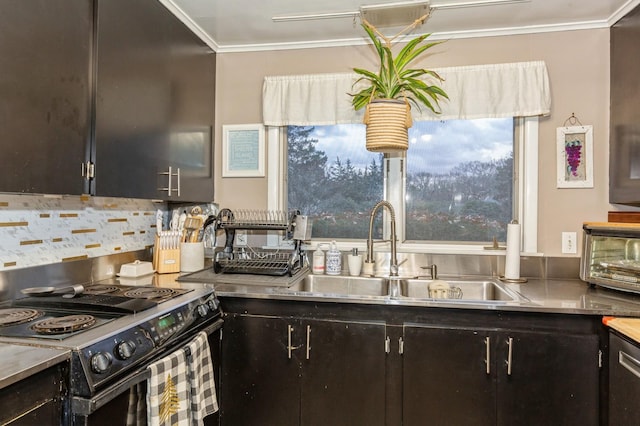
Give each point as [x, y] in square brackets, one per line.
[567, 296]
[20, 362]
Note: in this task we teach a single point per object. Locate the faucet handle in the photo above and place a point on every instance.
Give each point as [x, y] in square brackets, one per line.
[433, 269]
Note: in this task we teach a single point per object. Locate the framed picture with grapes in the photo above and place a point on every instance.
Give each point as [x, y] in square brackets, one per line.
[575, 156]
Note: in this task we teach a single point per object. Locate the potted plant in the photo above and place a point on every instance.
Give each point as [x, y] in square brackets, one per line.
[389, 93]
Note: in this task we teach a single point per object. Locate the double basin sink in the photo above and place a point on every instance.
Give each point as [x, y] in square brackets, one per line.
[460, 289]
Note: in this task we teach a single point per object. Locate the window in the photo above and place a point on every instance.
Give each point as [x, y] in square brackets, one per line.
[457, 184]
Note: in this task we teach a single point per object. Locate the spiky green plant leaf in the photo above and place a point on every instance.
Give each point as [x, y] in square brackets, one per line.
[395, 80]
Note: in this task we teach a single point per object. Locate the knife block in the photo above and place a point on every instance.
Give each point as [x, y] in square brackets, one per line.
[165, 261]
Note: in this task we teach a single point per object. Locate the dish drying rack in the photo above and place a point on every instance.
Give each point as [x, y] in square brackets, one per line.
[261, 262]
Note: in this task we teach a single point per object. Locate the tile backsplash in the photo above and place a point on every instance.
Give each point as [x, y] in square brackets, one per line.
[44, 229]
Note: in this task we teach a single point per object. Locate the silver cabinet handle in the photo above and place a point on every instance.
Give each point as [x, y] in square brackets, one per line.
[289, 347]
[509, 355]
[387, 345]
[308, 342]
[487, 358]
[178, 176]
[629, 362]
[170, 174]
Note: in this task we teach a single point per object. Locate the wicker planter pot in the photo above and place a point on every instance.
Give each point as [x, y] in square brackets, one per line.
[387, 122]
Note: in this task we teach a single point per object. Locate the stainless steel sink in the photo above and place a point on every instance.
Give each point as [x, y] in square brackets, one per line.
[471, 290]
[342, 285]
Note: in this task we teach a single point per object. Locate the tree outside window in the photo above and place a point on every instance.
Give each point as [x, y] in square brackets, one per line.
[459, 180]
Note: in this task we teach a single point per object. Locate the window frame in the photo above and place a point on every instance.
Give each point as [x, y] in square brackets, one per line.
[525, 193]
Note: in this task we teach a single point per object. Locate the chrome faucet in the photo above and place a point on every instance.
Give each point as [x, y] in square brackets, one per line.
[393, 267]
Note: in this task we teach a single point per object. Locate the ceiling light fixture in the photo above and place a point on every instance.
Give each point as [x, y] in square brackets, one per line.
[395, 14]
[392, 12]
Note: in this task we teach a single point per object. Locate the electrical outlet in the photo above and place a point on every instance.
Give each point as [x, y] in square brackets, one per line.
[569, 243]
[241, 238]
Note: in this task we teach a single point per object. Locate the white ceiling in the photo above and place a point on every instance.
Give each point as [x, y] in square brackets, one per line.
[246, 25]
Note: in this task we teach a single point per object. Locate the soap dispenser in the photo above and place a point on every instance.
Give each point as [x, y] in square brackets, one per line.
[318, 261]
[334, 260]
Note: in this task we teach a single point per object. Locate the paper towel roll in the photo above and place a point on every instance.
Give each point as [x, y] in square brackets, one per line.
[512, 258]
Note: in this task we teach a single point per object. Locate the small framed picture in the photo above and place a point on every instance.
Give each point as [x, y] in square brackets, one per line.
[575, 156]
[243, 150]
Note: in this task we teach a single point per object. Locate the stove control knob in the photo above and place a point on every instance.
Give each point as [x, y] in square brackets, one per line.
[101, 362]
[203, 310]
[125, 349]
[213, 304]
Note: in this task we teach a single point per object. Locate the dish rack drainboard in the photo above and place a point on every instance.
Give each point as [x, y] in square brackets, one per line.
[260, 262]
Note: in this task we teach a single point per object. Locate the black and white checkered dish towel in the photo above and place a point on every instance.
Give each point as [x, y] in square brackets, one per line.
[169, 391]
[203, 391]
[180, 391]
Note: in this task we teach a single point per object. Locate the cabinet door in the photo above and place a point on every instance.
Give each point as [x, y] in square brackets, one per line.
[624, 382]
[624, 133]
[154, 105]
[448, 377]
[45, 58]
[35, 400]
[259, 383]
[343, 373]
[553, 379]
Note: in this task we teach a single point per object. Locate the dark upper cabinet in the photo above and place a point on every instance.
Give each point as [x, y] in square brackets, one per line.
[155, 87]
[624, 138]
[104, 97]
[45, 58]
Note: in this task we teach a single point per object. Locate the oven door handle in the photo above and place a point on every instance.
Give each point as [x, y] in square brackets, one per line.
[86, 406]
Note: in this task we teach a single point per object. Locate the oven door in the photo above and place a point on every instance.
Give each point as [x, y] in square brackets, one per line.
[110, 406]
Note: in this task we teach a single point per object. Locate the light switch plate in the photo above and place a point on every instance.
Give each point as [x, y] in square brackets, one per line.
[569, 242]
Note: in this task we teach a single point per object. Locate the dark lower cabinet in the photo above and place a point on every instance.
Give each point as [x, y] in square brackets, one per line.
[624, 381]
[343, 373]
[259, 382]
[552, 378]
[446, 378]
[35, 400]
[294, 371]
[488, 377]
[294, 363]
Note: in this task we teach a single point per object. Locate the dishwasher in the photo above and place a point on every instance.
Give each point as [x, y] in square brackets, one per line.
[624, 381]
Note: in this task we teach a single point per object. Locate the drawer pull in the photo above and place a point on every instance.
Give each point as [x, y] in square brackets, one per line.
[629, 362]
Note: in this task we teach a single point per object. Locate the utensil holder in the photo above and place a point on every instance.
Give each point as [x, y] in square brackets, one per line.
[165, 261]
[191, 257]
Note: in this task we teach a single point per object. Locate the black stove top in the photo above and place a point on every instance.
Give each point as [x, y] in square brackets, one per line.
[31, 322]
[88, 303]
[57, 317]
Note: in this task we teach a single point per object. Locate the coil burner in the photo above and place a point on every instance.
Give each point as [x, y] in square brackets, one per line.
[61, 325]
[13, 316]
[150, 293]
[101, 289]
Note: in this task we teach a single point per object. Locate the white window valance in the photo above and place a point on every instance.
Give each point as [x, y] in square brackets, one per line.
[480, 91]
